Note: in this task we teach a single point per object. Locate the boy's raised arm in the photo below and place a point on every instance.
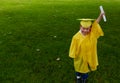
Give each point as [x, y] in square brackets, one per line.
[100, 17]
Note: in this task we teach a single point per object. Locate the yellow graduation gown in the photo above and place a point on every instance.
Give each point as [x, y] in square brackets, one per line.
[84, 49]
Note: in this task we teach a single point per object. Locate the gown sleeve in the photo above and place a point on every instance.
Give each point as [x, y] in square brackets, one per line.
[73, 48]
[97, 30]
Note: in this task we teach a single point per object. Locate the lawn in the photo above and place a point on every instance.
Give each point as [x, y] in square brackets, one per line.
[35, 33]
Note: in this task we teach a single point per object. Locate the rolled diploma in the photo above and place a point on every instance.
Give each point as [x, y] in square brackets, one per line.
[101, 9]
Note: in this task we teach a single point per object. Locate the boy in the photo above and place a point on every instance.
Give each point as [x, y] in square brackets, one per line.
[83, 48]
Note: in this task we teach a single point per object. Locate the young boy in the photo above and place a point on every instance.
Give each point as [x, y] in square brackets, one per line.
[83, 48]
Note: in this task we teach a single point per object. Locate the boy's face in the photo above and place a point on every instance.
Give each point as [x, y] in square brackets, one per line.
[85, 31]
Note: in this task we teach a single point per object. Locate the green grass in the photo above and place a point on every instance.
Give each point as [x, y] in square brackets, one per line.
[30, 25]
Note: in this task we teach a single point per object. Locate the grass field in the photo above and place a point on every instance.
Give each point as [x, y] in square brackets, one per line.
[34, 33]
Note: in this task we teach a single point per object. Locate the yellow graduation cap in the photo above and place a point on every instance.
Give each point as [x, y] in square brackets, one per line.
[86, 22]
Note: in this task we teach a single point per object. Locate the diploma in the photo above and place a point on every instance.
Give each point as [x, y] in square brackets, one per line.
[102, 11]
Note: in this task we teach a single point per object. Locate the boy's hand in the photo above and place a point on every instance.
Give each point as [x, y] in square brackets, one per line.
[102, 13]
